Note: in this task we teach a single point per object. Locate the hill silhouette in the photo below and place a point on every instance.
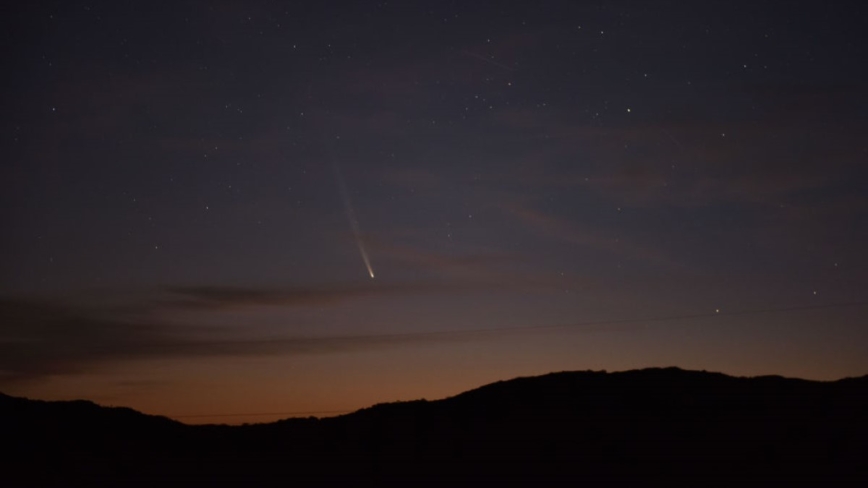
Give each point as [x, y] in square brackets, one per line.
[570, 427]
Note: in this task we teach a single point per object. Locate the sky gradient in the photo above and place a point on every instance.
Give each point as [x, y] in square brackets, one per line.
[190, 191]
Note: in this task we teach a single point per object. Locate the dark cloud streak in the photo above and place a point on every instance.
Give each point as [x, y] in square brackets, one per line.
[40, 337]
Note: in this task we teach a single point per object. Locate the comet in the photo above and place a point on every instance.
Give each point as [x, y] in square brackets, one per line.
[351, 216]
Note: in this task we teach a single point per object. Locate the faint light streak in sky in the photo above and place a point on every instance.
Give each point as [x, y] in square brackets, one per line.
[486, 59]
[351, 216]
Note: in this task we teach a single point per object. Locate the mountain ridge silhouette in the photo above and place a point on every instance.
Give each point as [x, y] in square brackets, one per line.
[577, 426]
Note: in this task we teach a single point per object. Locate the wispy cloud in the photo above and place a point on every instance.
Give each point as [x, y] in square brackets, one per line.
[772, 157]
[221, 297]
[45, 336]
[586, 237]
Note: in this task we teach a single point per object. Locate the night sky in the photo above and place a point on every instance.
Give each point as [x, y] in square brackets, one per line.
[241, 208]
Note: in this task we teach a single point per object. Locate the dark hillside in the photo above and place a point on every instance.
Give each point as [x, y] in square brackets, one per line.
[570, 426]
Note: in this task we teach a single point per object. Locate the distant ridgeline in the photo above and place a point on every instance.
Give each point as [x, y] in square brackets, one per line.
[572, 427]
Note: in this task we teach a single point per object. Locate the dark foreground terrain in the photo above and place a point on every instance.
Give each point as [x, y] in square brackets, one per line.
[570, 429]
